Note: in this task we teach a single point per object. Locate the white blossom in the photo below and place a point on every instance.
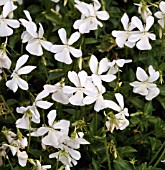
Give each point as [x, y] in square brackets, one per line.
[145, 85]
[90, 15]
[142, 38]
[16, 81]
[62, 52]
[5, 61]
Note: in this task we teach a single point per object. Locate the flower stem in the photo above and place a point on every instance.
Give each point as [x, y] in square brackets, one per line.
[155, 156]
[107, 153]
[2, 98]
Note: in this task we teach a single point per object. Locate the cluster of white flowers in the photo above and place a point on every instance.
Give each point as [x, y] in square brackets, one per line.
[86, 89]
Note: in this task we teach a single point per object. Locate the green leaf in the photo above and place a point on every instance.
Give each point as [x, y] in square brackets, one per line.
[137, 102]
[148, 108]
[162, 90]
[95, 164]
[120, 164]
[126, 150]
[91, 41]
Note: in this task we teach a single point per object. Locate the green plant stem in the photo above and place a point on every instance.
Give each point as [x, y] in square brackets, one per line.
[10, 163]
[57, 164]
[103, 5]
[29, 136]
[159, 159]
[107, 153]
[2, 98]
[155, 156]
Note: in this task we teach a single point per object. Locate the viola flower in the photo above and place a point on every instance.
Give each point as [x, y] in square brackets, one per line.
[143, 10]
[122, 36]
[145, 85]
[90, 15]
[35, 40]
[16, 147]
[6, 25]
[62, 52]
[16, 81]
[57, 91]
[98, 68]
[94, 94]
[142, 38]
[79, 81]
[161, 14]
[53, 136]
[116, 64]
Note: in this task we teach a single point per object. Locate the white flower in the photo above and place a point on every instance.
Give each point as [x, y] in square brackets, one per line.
[35, 40]
[117, 121]
[94, 94]
[161, 14]
[55, 1]
[16, 81]
[90, 15]
[143, 37]
[63, 51]
[6, 25]
[79, 81]
[57, 91]
[5, 62]
[53, 136]
[145, 85]
[16, 147]
[144, 10]
[122, 36]
[98, 68]
[116, 64]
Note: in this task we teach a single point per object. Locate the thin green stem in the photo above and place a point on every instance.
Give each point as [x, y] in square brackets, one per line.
[2, 98]
[161, 156]
[157, 153]
[10, 163]
[107, 153]
[103, 5]
[29, 140]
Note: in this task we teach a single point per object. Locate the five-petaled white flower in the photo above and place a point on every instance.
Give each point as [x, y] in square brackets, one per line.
[98, 68]
[142, 38]
[161, 14]
[122, 36]
[16, 81]
[90, 15]
[6, 24]
[62, 52]
[145, 85]
[79, 81]
[35, 39]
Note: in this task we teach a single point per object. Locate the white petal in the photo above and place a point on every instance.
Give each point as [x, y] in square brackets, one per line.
[93, 64]
[112, 105]
[12, 23]
[8, 8]
[120, 41]
[44, 104]
[162, 6]
[100, 104]
[60, 97]
[82, 78]
[23, 123]
[62, 125]
[154, 75]
[22, 158]
[152, 93]
[73, 77]
[40, 131]
[108, 77]
[89, 99]
[41, 95]
[135, 37]
[73, 38]
[121, 62]
[125, 21]
[69, 89]
[141, 74]
[51, 117]
[21, 61]
[143, 44]
[77, 99]
[64, 57]
[46, 44]
[137, 22]
[102, 15]
[41, 31]
[12, 84]
[25, 70]
[62, 35]
[57, 48]
[5, 30]
[149, 22]
[120, 100]
[159, 15]
[22, 84]
[75, 52]
[103, 66]
[34, 47]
